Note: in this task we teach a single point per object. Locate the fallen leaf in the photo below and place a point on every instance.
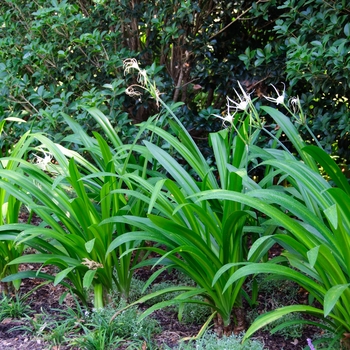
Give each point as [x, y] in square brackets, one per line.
[295, 342]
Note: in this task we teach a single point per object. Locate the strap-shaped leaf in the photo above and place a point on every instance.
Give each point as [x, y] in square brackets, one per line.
[182, 177]
[292, 134]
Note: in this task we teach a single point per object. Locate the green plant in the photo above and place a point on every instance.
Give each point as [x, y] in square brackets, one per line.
[191, 313]
[277, 292]
[100, 333]
[315, 221]
[13, 307]
[55, 326]
[199, 239]
[10, 206]
[97, 340]
[198, 51]
[72, 198]
[195, 313]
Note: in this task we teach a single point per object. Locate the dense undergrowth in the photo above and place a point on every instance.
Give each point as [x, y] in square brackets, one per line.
[109, 207]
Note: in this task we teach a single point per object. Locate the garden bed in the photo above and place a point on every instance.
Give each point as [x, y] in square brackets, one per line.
[20, 333]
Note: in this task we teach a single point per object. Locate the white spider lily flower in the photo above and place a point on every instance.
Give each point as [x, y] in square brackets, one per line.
[227, 119]
[242, 105]
[143, 81]
[280, 98]
[131, 63]
[44, 162]
[238, 106]
[244, 100]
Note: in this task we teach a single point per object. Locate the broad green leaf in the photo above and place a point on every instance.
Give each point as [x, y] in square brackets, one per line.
[62, 274]
[332, 215]
[107, 127]
[343, 206]
[265, 241]
[172, 302]
[89, 246]
[155, 294]
[232, 236]
[88, 278]
[255, 268]
[27, 274]
[188, 150]
[221, 152]
[224, 268]
[154, 276]
[312, 255]
[43, 258]
[332, 297]
[137, 236]
[31, 274]
[185, 236]
[322, 325]
[184, 179]
[260, 199]
[155, 194]
[292, 133]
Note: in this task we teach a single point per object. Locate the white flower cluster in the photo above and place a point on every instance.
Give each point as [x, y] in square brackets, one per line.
[243, 103]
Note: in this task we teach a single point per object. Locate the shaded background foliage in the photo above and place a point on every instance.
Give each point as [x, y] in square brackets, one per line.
[57, 56]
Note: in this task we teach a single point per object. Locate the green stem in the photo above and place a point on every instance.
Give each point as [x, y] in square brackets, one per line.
[98, 296]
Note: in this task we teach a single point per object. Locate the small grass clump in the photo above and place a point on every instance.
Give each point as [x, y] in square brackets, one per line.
[14, 308]
[99, 332]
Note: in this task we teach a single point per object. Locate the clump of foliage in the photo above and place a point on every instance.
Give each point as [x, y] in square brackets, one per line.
[13, 307]
[73, 197]
[314, 217]
[124, 329]
[56, 57]
[201, 218]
